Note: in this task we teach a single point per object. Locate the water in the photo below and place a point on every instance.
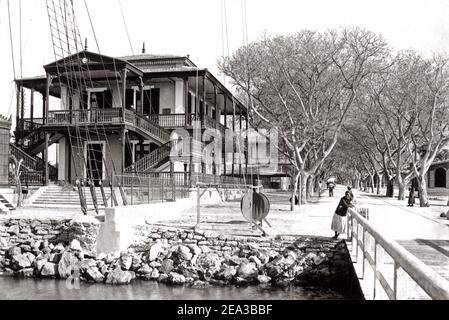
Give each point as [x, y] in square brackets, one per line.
[52, 289]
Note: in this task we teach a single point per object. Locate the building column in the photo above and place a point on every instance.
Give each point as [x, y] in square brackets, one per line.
[18, 88]
[186, 99]
[240, 140]
[124, 73]
[233, 138]
[62, 160]
[32, 109]
[47, 135]
[226, 127]
[246, 143]
[142, 95]
[22, 109]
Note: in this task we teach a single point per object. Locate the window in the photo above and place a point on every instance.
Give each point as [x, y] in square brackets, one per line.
[166, 111]
[440, 178]
[151, 101]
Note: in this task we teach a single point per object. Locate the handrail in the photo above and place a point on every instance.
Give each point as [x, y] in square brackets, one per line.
[150, 160]
[430, 281]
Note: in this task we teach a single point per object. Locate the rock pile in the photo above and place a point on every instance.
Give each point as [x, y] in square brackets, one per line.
[178, 257]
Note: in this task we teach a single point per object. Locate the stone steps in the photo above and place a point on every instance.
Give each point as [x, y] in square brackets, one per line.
[63, 197]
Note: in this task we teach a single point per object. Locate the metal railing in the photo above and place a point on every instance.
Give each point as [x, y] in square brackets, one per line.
[169, 120]
[405, 263]
[145, 188]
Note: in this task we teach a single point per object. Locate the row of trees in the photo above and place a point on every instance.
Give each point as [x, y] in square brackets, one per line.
[345, 105]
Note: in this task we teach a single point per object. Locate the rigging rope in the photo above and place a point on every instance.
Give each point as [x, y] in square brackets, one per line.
[11, 40]
[126, 27]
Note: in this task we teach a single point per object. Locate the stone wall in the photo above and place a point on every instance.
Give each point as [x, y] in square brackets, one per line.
[63, 248]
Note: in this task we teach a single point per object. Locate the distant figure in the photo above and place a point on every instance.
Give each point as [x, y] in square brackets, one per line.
[411, 196]
[331, 187]
[340, 220]
[296, 200]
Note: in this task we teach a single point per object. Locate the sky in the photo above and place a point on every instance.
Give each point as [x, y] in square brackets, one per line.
[195, 27]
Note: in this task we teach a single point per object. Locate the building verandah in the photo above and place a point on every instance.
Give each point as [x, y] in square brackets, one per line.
[134, 111]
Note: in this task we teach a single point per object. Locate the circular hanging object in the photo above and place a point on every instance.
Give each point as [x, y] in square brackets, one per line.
[255, 206]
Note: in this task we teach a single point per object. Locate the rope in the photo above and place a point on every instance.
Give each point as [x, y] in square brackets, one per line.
[126, 28]
[92, 26]
[11, 41]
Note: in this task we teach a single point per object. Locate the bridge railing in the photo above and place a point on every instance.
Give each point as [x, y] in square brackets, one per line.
[405, 263]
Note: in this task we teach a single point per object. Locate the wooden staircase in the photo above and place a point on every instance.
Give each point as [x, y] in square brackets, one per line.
[156, 158]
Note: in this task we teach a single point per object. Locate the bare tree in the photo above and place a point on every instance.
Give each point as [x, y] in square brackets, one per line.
[303, 86]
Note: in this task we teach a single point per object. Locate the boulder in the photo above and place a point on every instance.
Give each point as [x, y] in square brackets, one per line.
[319, 259]
[167, 266]
[39, 264]
[195, 249]
[13, 251]
[59, 248]
[145, 269]
[256, 261]
[154, 264]
[94, 274]
[155, 250]
[55, 257]
[176, 278]
[20, 261]
[154, 274]
[30, 257]
[247, 270]
[227, 273]
[26, 273]
[75, 245]
[13, 230]
[274, 271]
[49, 270]
[210, 261]
[211, 234]
[184, 253]
[137, 263]
[263, 279]
[67, 263]
[118, 276]
[126, 261]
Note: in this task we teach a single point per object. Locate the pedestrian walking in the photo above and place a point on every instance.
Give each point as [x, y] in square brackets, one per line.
[331, 187]
[340, 221]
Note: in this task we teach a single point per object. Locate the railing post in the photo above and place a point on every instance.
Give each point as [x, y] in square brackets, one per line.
[162, 189]
[363, 252]
[375, 269]
[132, 188]
[399, 283]
[148, 189]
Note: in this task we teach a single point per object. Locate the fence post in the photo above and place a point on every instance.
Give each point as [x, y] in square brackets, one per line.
[132, 188]
[375, 269]
[399, 283]
[162, 189]
[198, 203]
[363, 252]
[148, 189]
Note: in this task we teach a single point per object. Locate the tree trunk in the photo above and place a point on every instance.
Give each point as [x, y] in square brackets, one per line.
[371, 177]
[401, 186]
[422, 187]
[295, 188]
[379, 179]
[303, 188]
[310, 183]
[390, 188]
